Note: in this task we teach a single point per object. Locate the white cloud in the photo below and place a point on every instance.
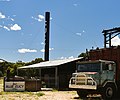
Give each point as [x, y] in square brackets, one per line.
[42, 43]
[70, 57]
[51, 18]
[75, 5]
[9, 18]
[15, 27]
[14, 15]
[26, 50]
[10, 26]
[115, 41]
[2, 16]
[83, 31]
[39, 18]
[4, 0]
[63, 57]
[50, 49]
[66, 57]
[5, 27]
[79, 34]
[42, 50]
[12, 19]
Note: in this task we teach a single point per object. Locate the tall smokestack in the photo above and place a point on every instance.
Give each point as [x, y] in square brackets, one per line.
[47, 28]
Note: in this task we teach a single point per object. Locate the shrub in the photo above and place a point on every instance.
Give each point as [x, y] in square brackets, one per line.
[1, 74]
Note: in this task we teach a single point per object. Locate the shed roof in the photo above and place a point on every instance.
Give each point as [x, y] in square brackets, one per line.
[51, 63]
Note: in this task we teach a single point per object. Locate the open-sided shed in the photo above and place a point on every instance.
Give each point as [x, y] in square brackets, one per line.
[56, 73]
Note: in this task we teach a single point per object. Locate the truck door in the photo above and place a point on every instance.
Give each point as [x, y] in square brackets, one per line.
[111, 71]
[107, 72]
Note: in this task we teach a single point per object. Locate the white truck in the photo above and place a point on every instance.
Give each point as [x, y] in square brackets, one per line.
[96, 76]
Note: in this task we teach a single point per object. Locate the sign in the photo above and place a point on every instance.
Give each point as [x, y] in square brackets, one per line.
[14, 86]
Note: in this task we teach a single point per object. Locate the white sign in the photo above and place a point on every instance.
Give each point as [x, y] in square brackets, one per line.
[14, 86]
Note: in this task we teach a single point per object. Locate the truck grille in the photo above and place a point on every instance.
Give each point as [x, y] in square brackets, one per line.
[82, 79]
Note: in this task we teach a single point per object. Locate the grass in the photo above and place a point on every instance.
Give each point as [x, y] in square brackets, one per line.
[39, 94]
[54, 90]
[29, 93]
[1, 93]
[1, 80]
[1, 84]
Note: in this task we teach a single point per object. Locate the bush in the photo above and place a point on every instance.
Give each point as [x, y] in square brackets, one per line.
[1, 74]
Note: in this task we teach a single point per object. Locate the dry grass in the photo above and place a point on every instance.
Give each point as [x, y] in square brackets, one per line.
[20, 95]
[1, 84]
[1, 80]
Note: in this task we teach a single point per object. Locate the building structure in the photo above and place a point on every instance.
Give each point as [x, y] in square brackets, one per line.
[57, 73]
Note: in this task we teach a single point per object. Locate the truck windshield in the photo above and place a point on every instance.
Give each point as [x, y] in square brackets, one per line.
[88, 67]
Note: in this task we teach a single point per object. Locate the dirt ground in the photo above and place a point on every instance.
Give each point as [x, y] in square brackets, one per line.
[48, 95]
[60, 95]
[41, 95]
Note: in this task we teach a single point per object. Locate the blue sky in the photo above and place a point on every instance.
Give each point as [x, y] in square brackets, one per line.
[74, 26]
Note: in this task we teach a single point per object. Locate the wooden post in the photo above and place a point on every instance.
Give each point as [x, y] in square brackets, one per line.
[56, 77]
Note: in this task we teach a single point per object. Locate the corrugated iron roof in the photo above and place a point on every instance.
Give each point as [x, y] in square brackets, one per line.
[50, 63]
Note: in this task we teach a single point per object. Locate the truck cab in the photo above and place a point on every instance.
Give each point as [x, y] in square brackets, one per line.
[97, 76]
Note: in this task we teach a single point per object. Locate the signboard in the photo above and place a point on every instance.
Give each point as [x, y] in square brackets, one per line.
[14, 86]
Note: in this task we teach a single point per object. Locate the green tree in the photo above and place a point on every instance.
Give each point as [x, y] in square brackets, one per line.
[4, 66]
[37, 60]
[30, 72]
[1, 74]
[83, 55]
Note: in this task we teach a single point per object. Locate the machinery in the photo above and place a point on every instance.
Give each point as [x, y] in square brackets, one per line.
[94, 76]
[99, 76]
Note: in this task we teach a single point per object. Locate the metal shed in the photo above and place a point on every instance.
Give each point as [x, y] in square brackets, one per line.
[56, 73]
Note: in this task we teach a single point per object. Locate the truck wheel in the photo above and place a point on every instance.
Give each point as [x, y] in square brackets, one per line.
[82, 94]
[108, 92]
